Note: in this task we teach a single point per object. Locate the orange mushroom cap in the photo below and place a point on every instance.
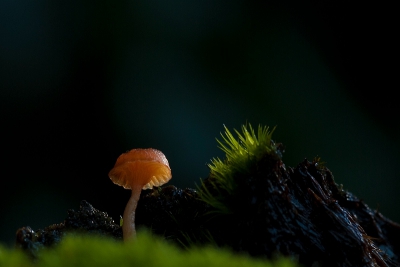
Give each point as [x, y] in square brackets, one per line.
[143, 168]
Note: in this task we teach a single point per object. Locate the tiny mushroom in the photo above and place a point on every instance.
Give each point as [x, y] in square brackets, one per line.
[138, 169]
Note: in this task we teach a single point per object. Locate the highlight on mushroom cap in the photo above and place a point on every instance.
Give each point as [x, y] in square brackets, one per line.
[142, 168]
[142, 154]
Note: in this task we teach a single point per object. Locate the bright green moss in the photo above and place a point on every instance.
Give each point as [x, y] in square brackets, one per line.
[241, 154]
[147, 251]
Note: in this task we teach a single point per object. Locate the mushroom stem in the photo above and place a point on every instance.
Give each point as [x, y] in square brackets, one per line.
[128, 226]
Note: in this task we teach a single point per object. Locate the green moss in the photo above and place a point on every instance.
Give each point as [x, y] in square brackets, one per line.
[241, 155]
[12, 257]
[147, 250]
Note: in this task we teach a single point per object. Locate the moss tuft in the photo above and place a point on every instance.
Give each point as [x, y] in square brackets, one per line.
[241, 153]
[318, 163]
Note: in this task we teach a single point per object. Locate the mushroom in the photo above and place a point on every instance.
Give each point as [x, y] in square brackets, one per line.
[138, 169]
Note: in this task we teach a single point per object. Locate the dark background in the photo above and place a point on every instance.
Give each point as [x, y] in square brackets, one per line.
[83, 81]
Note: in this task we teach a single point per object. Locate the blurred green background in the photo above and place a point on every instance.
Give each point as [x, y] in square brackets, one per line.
[84, 81]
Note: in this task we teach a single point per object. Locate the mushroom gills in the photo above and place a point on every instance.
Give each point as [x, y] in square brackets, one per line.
[156, 181]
